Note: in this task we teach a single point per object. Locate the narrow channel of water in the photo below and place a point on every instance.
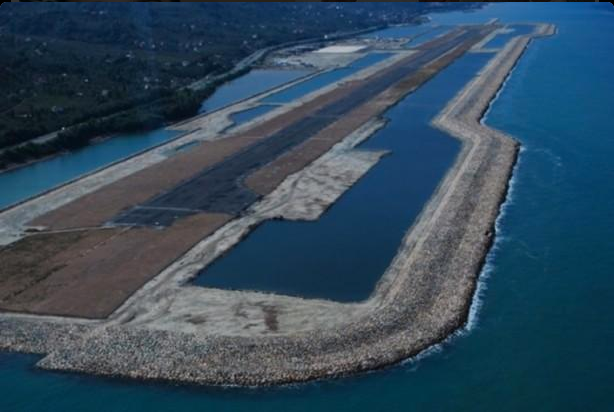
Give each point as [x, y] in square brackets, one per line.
[322, 80]
[25, 182]
[398, 32]
[343, 254]
[246, 115]
[252, 83]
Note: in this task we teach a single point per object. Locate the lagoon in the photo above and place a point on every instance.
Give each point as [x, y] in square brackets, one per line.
[342, 255]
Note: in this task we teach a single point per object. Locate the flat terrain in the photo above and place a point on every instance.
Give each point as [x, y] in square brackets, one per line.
[132, 229]
[88, 273]
[171, 331]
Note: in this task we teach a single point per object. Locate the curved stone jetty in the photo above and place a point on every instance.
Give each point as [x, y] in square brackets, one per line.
[423, 297]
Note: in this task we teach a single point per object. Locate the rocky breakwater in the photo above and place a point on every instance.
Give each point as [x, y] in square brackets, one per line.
[423, 297]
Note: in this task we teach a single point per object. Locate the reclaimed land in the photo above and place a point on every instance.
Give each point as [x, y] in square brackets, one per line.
[423, 297]
[159, 213]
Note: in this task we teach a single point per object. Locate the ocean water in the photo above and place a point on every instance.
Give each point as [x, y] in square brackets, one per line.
[541, 337]
[342, 255]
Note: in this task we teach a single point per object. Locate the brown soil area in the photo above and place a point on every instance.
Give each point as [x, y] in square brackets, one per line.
[90, 273]
[102, 205]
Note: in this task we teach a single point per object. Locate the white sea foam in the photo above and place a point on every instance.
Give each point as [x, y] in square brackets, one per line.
[482, 282]
[477, 302]
[555, 159]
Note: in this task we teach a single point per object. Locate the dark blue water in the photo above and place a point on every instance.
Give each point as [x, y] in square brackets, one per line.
[250, 114]
[543, 339]
[501, 39]
[254, 82]
[343, 254]
[322, 80]
[28, 181]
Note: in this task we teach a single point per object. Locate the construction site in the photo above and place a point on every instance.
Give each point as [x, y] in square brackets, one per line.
[97, 273]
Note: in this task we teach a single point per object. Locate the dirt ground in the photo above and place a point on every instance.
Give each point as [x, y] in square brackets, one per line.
[89, 273]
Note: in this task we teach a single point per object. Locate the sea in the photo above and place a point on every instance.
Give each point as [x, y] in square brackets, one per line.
[541, 330]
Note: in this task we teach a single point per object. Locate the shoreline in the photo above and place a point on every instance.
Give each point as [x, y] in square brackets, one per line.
[457, 223]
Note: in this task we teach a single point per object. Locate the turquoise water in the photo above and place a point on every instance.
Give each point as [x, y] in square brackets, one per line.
[322, 80]
[254, 82]
[344, 253]
[22, 183]
[545, 328]
[250, 114]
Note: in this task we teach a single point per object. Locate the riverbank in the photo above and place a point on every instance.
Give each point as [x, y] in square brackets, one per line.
[443, 253]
